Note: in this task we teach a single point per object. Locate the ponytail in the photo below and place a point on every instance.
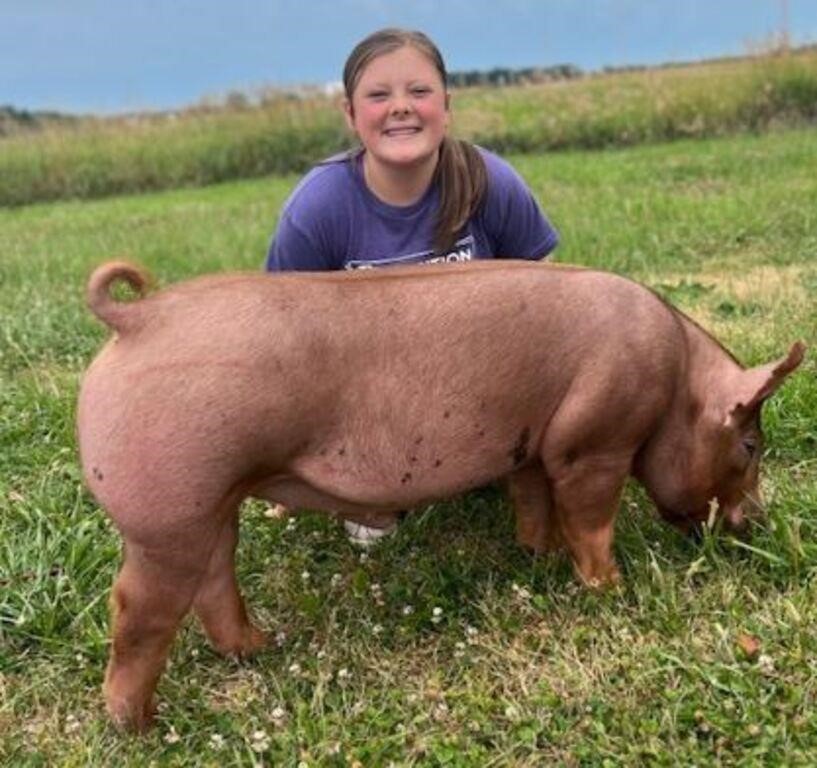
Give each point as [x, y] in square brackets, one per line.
[462, 180]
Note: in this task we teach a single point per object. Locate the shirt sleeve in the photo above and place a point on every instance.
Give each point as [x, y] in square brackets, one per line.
[513, 218]
[295, 248]
[309, 236]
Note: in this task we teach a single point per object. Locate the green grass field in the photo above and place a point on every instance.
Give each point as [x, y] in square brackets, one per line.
[447, 645]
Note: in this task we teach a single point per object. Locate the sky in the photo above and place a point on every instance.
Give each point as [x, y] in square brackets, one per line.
[113, 56]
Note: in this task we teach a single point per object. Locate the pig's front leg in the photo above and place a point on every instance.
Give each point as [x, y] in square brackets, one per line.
[536, 528]
[586, 495]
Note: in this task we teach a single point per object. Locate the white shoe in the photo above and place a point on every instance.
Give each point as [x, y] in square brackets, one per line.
[276, 512]
[363, 536]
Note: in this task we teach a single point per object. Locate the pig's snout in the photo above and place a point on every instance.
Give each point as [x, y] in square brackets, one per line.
[736, 522]
[738, 519]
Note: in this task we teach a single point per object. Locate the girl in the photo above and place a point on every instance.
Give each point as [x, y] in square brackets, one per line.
[410, 193]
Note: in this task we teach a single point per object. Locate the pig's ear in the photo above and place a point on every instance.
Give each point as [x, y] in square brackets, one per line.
[758, 384]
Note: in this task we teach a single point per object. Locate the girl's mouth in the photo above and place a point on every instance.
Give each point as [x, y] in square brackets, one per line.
[403, 131]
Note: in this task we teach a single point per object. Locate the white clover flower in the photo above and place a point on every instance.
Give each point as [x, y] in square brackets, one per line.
[216, 741]
[335, 580]
[171, 737]
[437, 615]
[408, 610]
[766, 664]
[306, 576]
[344, 674]
[377, 629]
[72, 724]
[278, 714]
[295, 668]
[260, 741]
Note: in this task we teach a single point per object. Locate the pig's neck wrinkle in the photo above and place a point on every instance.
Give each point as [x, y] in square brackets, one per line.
[711, 365]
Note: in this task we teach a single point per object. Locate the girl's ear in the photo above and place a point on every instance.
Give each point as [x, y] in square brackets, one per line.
[349, 114]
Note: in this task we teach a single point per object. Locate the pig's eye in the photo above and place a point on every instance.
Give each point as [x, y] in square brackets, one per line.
[750, 446]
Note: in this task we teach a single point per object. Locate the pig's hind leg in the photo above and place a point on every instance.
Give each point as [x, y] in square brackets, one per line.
[171, 563]
[218, 602]
[152, 593]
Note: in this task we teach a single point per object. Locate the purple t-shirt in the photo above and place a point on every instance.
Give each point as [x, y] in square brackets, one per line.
[333, 221]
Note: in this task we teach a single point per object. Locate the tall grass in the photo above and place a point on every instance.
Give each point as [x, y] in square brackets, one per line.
[96, 158]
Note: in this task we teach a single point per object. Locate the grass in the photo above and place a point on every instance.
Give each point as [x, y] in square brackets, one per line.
[94, 158]
[445, 645]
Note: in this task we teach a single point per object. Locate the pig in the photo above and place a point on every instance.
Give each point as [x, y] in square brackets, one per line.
[364, 393]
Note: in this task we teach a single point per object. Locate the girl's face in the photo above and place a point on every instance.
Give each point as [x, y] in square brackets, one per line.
[399, 108]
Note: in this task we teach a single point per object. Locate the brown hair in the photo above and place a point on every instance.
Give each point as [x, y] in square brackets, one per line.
[461, 173]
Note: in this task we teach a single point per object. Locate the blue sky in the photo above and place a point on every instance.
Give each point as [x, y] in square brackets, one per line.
[117, 55]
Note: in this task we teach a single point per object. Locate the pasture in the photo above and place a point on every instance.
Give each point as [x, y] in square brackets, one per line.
[445, 645]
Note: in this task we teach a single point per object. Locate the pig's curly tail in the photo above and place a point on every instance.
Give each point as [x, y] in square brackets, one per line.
[119, 315]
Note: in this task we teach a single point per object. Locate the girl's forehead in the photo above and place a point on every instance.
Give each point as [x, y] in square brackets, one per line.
[404, 61]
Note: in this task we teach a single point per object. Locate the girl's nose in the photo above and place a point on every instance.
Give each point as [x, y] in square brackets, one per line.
[400, 106]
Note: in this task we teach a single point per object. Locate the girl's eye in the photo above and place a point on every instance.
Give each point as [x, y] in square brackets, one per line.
[420, 91]
[377, 95]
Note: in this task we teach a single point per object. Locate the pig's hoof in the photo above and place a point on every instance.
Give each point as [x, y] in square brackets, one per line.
[546, 547]
[250, 641]
[608, 580]
[129, 717]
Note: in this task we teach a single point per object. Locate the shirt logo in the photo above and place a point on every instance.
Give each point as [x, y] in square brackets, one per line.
[463, 250]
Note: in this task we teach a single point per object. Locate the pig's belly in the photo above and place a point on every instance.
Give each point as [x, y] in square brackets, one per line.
[347, 476]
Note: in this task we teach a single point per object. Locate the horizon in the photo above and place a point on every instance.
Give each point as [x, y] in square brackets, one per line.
[168, 56]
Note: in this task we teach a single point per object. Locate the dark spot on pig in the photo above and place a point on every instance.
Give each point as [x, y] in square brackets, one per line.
[342, 452]
[520, 451]
[523, 305]
[323, 451]
[413, 459]
[406, 478]
[447, 414]
[481, 433]
[98, 473]
[438, 463]
[418, 440]
[570, 457]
